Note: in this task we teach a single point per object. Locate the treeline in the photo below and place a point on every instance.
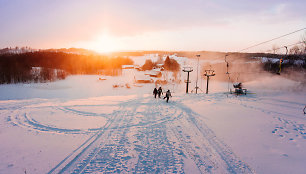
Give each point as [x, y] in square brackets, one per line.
[237, 55]
[48, 66]
[169, 64]
[290, 62]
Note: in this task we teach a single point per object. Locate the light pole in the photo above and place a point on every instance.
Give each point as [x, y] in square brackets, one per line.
[226, 64]
[197, 74]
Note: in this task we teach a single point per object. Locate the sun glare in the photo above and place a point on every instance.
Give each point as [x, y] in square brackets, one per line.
[104, 43]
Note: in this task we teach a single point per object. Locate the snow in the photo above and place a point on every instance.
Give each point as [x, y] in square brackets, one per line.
[127, 66]
[84, 125]
[267, 131]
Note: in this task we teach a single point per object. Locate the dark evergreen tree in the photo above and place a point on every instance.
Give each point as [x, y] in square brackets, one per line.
[171, 64]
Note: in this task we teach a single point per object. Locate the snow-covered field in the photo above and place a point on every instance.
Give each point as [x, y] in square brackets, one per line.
[84, 125]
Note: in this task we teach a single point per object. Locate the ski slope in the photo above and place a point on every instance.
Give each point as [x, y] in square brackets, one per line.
[141, 134]
[83, 125]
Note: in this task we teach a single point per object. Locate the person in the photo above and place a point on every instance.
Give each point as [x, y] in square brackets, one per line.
[160, 91]
[168, 94]
[155, 92]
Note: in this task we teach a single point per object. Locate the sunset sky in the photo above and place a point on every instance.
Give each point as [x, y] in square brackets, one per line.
[112, 25]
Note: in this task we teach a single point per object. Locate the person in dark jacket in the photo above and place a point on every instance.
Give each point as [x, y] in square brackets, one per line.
[155, 92]
[160, 91]
[168, 94]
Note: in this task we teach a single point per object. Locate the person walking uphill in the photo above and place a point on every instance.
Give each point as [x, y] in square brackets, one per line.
[168, 94]
[160, 91]
[155, 92]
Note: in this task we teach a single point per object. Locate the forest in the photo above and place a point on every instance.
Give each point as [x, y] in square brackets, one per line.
[44, 66]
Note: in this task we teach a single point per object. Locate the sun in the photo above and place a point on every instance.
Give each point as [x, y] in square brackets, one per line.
[103, 43]
[106, 43]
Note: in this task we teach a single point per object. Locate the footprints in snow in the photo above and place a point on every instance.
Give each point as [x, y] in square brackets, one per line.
[289, 130]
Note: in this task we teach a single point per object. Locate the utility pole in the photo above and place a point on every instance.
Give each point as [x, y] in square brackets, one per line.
[188, 70]
[228, 74]
[208, 73]
[197, 74]
[228, 81]
[227, 65]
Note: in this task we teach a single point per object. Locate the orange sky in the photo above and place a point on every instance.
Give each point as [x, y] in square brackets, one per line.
[105, 26]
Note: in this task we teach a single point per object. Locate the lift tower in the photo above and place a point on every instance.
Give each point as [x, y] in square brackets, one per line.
[188, 70]
[208, 73]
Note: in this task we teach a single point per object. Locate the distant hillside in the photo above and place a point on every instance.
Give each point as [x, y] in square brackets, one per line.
[211, 54]
[73, 50]
[19, 50]
[189, 54]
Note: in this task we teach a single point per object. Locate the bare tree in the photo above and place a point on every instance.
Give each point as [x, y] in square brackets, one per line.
[303, 40]
[274, 49]
[295, 50]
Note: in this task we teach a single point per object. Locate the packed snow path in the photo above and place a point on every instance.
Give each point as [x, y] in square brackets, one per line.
[144, 135]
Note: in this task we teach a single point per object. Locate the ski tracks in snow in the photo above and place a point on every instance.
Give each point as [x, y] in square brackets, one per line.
[150, 136]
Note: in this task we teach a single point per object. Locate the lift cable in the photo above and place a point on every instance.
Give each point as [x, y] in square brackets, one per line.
[227, 63]
[261, 43]
[272, 39]
[264, 51]
[302, 42]
[229, 53]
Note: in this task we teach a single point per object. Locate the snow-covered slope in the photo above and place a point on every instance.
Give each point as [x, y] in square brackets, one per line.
[85, 125]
